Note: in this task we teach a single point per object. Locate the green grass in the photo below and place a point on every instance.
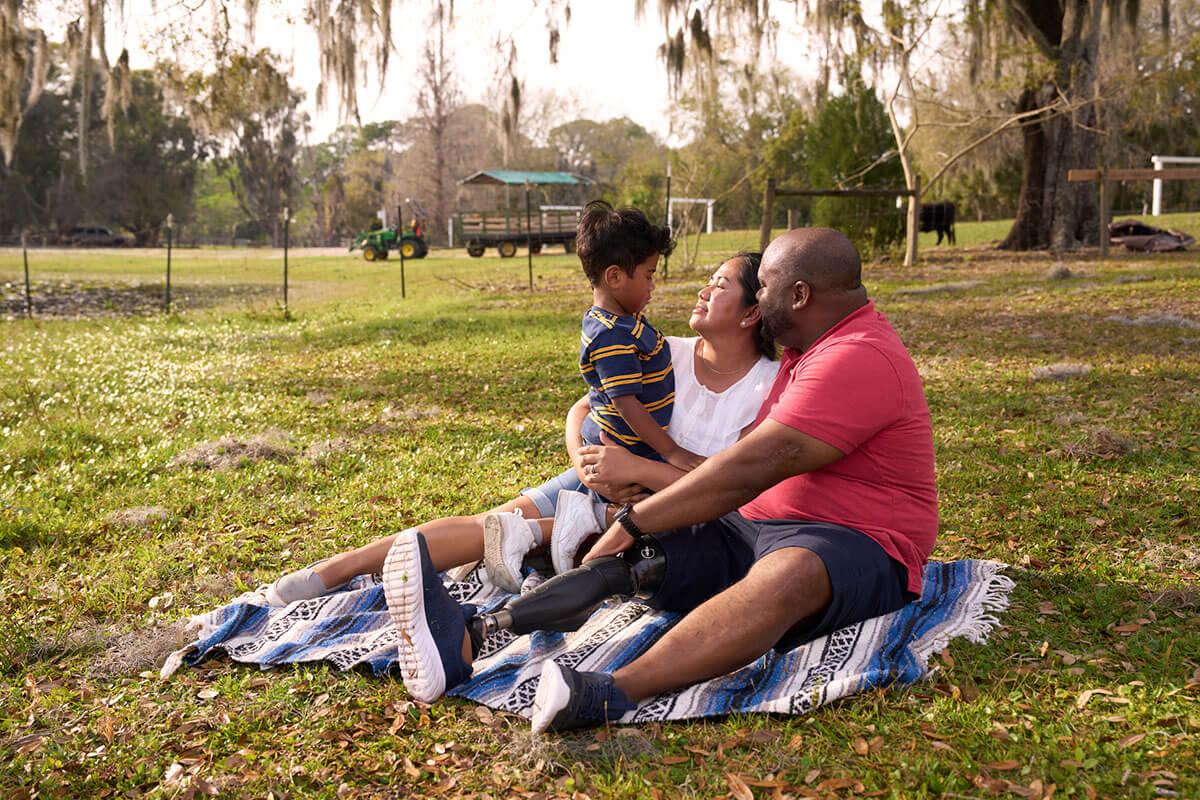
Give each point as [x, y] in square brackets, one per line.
[450, 401]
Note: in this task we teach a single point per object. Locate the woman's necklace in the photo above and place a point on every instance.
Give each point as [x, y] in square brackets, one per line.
[713, 369]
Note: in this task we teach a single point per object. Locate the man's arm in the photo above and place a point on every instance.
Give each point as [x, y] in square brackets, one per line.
[772, 452]
[653, 434]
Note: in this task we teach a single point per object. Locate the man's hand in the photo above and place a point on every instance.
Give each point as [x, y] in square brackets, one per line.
[615, 540]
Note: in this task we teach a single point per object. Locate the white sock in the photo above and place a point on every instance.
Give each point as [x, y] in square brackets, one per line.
[535, 530]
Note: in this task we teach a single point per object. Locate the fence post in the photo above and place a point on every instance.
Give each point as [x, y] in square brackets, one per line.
[167, 299]
[914, 217]
[400, 247]
[764, 235]
[286, 219]
[28, 294]
[1103, 214]
[529, 233]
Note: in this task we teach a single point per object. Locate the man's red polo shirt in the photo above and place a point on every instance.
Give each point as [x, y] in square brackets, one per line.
[857, 389]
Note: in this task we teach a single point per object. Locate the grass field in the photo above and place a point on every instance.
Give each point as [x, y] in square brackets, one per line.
[1065, 395]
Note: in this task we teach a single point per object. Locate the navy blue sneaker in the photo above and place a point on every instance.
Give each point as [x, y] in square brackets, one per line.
[432, 626]
[568, 699]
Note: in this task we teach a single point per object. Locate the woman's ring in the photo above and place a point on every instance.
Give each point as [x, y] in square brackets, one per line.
[591, 469]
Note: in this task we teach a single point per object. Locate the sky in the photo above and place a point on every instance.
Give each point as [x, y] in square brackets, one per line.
[608, 64]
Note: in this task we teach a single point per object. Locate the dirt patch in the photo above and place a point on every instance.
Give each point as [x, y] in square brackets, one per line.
[939, 288]
[1162, 555]
[1060, 272]
[78, 299]
[1155, 320]
[1100, 442]
[411, 412]
[136, 517]
[320, 452]
[229, 452]
[138, 651]
[317, 399]
[1061, 371]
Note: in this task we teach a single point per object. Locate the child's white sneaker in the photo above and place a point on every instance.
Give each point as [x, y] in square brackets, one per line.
[506, 539]
[574, 521]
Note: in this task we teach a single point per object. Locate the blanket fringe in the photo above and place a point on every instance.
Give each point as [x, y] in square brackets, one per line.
[979, 616]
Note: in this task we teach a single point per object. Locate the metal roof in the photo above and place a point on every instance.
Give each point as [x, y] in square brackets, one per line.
[508, 177]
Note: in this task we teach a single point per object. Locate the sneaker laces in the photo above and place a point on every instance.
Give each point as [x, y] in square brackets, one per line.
[596, 697]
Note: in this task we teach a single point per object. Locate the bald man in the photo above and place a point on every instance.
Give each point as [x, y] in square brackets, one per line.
[823, 516]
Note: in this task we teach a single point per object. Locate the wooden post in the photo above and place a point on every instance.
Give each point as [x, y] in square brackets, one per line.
[167, 299]
[28, 294]
[791, 219]
[914, 218]
[287, 213]
[764, 234]
[400, 246]
[1104, 198]
[529, 233]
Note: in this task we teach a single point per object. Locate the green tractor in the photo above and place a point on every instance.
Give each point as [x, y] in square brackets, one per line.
[376, 244]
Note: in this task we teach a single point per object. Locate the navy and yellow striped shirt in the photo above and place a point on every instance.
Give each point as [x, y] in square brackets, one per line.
[621, 355]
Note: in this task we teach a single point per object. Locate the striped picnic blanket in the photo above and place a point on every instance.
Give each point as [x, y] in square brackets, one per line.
[351, 627]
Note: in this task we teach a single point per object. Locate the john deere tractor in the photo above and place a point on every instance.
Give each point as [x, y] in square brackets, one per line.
[376, 244]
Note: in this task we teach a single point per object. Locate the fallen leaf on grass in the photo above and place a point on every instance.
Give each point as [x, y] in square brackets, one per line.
[812, 776]
[1131, 627]
[1088, 695]
[670, 760]
[860, 746]
[1004, 765]
[1130, 740]
[738, 787]
[207, 694]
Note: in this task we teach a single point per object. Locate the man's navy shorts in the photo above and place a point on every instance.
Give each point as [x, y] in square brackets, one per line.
[705, 559]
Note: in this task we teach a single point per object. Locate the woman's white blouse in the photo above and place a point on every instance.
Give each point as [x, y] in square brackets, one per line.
[706, 422]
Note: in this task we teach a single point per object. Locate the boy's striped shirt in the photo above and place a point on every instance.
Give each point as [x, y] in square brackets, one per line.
[620, 355]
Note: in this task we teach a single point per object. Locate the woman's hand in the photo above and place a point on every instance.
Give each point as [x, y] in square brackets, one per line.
[683, 459]
[606, 469]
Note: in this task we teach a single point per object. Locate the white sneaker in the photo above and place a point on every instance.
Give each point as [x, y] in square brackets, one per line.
[506, 540]
[574, 521]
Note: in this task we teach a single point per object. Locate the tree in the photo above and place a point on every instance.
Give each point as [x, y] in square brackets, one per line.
[249, 108]
[843, 148]
[1051, 212]
[151, 169]
[439, 98]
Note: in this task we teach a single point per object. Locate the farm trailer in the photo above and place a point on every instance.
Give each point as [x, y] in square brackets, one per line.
[510, 228]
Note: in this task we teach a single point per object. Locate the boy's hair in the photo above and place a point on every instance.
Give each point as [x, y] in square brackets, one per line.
[624, 237]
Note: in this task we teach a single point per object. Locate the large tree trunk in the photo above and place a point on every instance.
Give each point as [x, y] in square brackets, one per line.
[1052, 212]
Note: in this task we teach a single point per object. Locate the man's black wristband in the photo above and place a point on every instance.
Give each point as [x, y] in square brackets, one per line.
[623, 517]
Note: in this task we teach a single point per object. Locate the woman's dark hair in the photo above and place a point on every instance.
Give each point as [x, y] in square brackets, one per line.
[747, 275]
[624, 237]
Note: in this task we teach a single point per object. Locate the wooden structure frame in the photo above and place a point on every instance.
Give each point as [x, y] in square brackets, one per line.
[771, 191]
[1105, 176]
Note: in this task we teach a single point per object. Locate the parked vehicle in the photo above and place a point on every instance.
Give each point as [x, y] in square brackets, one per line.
[376, 244]
[84, 236]
[506, 230]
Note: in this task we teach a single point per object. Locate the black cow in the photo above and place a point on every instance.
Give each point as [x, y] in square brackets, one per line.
[938, 217]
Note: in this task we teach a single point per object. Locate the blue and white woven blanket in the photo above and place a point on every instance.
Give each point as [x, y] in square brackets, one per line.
[352, 627]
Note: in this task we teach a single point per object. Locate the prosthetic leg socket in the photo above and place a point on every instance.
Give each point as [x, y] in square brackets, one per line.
[564, 602]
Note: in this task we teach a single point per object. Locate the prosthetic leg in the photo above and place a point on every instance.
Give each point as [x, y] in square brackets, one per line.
[564, 602]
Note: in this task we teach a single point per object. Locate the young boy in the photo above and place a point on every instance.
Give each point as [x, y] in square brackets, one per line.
[623, 358]
[626, 364]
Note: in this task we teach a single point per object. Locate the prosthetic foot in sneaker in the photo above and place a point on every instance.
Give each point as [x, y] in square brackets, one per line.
[574, 521]
[567, 699]
[507, 537]
[432, 625]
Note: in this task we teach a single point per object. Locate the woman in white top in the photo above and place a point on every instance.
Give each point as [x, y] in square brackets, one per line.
[721, 378]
